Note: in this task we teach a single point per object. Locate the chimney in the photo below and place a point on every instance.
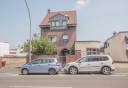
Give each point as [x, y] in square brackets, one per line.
[114, 33]
[48, 11]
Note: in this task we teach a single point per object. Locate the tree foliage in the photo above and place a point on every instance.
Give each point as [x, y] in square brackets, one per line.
[40, 46]
[72, 50]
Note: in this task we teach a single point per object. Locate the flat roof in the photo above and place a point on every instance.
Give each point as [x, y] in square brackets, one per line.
[89, 41]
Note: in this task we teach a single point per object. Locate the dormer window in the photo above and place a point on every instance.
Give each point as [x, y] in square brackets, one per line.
[64, 22]
[55, 23]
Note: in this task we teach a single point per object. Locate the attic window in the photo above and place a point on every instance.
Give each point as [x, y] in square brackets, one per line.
[126, 39]
[66, 15]
[64, 22]
[55, 23]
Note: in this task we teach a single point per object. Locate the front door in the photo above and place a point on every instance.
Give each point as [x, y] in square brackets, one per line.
[83, 65]
[35, 66]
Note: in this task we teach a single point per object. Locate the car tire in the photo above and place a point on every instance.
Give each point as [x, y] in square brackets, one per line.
[25, 72]
[73, 70]
[106, 70]
[52, 71]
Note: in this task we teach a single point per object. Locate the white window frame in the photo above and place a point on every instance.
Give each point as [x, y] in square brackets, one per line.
[64, 23]
[52, 38]
[65, 38]
[90, 51]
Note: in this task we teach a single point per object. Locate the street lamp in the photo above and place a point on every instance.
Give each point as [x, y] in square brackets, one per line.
[30, 46]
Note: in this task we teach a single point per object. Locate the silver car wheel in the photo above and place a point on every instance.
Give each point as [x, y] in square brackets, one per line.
[106, 70]
[73, 70]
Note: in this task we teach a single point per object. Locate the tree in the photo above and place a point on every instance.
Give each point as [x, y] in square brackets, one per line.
[40, 46]
[72, 50]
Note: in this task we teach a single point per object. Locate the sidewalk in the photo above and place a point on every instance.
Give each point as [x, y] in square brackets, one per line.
[121, 65]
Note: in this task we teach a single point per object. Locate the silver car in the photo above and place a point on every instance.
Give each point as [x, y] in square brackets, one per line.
[91, 63]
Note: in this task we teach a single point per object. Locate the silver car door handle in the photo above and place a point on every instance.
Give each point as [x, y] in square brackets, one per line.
[102, 63]
[89, 64]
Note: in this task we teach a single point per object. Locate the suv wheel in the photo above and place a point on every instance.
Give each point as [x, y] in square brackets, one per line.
[52, 71]
[25, 72]
[73, 70]
[106, 70]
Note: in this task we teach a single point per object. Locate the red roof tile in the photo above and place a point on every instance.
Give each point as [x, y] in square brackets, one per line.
[71, 15]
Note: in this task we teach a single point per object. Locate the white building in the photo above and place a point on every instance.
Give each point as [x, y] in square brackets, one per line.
[87, 47]
[17, 52]
[117, 46]
[4, 48]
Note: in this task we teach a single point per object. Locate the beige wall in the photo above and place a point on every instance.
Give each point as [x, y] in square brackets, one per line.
[82, 46]
[14, 60]
[117, 47]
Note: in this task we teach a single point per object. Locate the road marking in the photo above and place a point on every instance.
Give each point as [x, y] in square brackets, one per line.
[118, 75]
[12, 74]
[35, 87]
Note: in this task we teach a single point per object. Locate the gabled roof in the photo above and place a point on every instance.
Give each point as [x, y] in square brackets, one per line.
[71, 15]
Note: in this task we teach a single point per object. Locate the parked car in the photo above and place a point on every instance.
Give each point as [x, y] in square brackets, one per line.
[91, 63]
[41, 65]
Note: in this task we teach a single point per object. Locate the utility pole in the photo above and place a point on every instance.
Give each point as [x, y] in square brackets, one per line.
[30, 45]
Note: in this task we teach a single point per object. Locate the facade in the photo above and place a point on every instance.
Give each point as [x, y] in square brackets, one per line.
[87, 47]
[4, 48]
[117, 46]
[60, 27]
[17, 52]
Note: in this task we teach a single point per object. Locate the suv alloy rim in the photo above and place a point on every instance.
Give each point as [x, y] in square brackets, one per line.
[106, 70]
[73, 70]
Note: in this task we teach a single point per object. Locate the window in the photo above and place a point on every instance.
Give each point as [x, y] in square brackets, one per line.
[38, 61]
[84, 59]
[91, 51]
[52, 38]
[126, 39]
[105, 58]
[55, 23]
[65, 38]
[108, 44]
[91, 59]
[64, 22]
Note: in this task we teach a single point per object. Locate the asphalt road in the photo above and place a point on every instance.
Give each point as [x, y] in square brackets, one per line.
[12, 79]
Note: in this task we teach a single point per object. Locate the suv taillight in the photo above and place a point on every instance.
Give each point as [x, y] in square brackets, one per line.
[57, 64]
[113, 62]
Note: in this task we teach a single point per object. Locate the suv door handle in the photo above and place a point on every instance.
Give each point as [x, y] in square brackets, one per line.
[89, 64]
[102, 63]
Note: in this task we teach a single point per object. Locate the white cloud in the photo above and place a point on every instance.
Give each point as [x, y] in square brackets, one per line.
[81, 3]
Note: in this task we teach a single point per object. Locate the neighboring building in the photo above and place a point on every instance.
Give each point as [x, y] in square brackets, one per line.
[4, 48]
[117, 46]
[17, 52]
[60, 27]
[87, 47]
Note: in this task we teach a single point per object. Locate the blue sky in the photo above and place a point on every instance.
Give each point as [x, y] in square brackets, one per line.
[96, 19]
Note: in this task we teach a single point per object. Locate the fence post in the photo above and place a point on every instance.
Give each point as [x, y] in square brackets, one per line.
[0, 62]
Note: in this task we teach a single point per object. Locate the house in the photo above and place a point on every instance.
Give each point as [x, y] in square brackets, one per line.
[4, 48]
[60, 27]
[117, 46]
[17, 52]
[87, 47]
